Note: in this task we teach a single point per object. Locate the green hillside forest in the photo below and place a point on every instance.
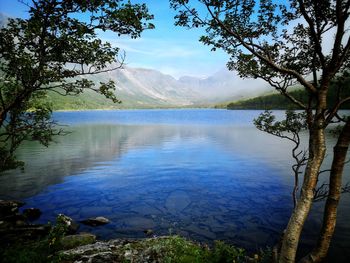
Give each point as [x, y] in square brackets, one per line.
[279, 102]
[90, 100]
[87, 100]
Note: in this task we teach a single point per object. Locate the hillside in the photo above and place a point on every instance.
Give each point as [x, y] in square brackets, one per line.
[277, 101]
[147, 88]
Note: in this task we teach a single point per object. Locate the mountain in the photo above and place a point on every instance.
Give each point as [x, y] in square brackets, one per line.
[223, 85]
[147, 88]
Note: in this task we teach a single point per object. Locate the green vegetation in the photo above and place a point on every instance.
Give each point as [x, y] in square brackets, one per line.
[40, 250]
[281, 42]
[57, 49]
[58, 244]
[90, 100]
[161, 249]
[178, 249]
[267, 102]
[277, 102]
[85, 101]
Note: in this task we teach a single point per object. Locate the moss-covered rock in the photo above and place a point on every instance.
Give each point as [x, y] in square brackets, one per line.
[32, 213]
[72, 241]
[95, 221]
[157, 249]
[9, 208]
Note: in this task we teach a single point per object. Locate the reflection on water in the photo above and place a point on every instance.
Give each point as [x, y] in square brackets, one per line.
[206, 178]
[93, 146]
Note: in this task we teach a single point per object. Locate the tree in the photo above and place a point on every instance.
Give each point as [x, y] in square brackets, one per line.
[285, 43]
[56, 49]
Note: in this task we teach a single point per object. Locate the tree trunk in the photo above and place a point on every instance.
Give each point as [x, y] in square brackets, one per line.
[335, 183]
[317, 150]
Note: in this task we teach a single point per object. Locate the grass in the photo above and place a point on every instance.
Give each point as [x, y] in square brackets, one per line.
[170, 249]
[167, 249]
[175, 249]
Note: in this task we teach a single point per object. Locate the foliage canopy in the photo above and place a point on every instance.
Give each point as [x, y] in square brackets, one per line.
[56, 49]
[289, 43]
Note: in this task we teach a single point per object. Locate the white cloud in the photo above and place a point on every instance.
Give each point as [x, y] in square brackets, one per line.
[156, 47]
[176, 57]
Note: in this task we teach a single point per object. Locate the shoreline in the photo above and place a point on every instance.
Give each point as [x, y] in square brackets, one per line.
[131, 109]
[61, 242]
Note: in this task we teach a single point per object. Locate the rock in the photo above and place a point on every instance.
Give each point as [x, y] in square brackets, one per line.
[148, 232]
[72, 241]
[34, 231]
[4, 224]
[13, 221]
[110, 251]
[120, 250]
[96, 221]
[32, 213]
[71, 226]
[9, 207]
[24, 233]
[102, 257]
[128, 255]
[99, 246]
[21, 223]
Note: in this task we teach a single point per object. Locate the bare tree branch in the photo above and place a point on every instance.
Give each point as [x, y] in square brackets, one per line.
[266, 60]
[321, 192]
[314, 35]
[335, 109]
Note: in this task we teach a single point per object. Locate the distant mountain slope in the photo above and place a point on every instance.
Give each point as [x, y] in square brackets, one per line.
[88, 100]
[136, 88]
[223, 85]
[147, 88]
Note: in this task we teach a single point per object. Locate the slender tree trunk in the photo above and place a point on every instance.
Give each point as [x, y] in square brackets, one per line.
[330, 213]
[296, 222]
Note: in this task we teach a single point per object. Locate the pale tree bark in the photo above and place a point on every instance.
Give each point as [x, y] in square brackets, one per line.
[230, 28]
[319, 253]
[296, 222]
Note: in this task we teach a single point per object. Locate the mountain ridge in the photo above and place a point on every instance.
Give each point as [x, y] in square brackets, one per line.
[149, 88]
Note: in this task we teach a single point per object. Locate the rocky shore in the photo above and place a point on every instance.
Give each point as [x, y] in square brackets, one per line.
[23, 241]
[16, 226]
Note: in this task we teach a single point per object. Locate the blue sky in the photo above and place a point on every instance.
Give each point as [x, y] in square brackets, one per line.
[169, 49]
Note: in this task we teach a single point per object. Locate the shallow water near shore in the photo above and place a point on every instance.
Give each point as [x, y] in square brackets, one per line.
[204, 174]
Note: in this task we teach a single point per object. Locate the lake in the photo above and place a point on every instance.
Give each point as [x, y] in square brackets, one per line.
[201, 173]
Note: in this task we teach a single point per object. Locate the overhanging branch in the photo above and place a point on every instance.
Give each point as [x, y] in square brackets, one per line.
[335, 109]
[266, 60]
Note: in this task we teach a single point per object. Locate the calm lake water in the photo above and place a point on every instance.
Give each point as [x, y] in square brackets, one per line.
[204, 174]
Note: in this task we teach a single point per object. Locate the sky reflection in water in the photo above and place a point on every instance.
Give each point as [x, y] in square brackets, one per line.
[204, 174]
